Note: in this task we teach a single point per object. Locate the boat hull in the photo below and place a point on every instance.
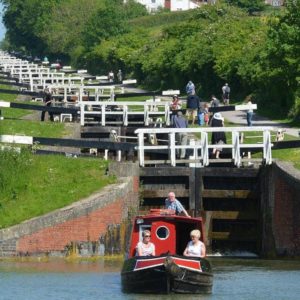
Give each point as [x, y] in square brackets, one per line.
[165, 276]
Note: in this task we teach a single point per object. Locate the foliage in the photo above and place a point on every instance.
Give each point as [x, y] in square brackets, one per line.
[280, 63]
[250, 6]
[24, 20]
[68, 21]
[209, 45]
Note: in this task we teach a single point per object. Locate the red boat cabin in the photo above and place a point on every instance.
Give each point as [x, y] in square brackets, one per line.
[169, 232]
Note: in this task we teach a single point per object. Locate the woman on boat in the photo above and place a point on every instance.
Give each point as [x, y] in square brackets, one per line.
[145, 247]
[195, 247]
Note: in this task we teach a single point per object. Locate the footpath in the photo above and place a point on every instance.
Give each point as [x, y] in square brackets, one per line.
[239, 118]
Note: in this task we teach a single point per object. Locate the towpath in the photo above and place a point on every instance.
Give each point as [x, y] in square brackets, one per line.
[239, 118]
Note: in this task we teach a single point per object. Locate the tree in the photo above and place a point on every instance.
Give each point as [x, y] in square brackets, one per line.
[280, 64]
[65, 32]
[250, 6]
[24, 21]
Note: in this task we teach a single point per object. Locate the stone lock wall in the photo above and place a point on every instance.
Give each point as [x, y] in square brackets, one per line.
[281, 211]
[85, 221]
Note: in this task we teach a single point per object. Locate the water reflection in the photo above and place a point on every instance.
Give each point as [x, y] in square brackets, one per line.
[234, 279]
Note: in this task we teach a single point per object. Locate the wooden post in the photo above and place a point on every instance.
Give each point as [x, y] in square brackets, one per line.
[198, 192]
[192, 186]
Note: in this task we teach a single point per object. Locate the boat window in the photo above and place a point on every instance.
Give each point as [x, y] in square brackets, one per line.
[162, 232]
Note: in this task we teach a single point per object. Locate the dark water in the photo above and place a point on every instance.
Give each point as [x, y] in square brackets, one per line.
[234, 279]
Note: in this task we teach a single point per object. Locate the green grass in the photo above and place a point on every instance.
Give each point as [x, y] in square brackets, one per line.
[32, 128]
[32, 185]
[12, 112]
[7, 97]
[14, 124]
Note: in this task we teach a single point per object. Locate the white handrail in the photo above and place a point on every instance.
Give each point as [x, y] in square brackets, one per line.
[202, 144]
[126, 109]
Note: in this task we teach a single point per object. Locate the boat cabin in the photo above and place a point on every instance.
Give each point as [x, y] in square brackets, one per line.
[169, 233]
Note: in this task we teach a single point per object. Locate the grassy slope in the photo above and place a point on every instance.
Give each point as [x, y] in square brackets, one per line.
[32, 185]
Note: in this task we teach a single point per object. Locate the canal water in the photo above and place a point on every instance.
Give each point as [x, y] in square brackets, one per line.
[234, 279]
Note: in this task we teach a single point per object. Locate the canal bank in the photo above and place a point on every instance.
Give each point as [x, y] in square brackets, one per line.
[250, 209]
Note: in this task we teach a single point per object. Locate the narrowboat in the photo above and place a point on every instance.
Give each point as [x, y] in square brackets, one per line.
[169, 271]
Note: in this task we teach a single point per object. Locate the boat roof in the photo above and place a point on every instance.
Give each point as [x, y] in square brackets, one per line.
[163, 215]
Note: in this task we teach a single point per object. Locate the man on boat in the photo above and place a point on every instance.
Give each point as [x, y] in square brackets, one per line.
[172, 203]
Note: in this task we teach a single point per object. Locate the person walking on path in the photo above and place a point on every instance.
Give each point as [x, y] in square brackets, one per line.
[179, 121]
[192, 106]
[47, 101]
[249, 113]
[214, 101]
[111, 76]
[225, 93]
[190, 88]
[172, 203]
[218, 137]
[120, 76]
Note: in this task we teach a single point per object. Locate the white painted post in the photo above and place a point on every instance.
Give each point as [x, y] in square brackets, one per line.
[112, 94]
[106, 154]
[103, 107]
[205, 152]
[125, 115]
[65, 94]
[81, 114]
[267, 150]
[119, 155]
[31, 82]
[96, 94]
[167, 114]
[141, 153]
[236, 148]
[172, 148]
[146, 115]
[193, 156]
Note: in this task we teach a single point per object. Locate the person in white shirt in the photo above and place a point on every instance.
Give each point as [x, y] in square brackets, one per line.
[249, 113]
[145, 247]
[195, 247]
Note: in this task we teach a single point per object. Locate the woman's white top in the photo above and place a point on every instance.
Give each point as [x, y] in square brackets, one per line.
[146, 251]
[249, 110]
[194, 249]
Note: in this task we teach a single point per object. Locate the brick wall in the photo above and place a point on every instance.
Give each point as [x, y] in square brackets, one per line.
[282, 222]
[84, 221]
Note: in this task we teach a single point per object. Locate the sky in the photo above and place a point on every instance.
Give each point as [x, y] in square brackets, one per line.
[2, 28]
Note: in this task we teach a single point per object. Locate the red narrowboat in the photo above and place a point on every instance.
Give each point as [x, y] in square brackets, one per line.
[168, 271]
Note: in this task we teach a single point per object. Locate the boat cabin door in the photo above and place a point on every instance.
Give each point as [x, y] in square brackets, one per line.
[163, 236]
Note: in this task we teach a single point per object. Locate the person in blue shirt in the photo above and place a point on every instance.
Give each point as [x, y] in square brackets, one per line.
[172, 203]
[190, 88]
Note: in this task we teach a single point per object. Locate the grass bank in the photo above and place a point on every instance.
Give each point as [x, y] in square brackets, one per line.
[32, 185]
